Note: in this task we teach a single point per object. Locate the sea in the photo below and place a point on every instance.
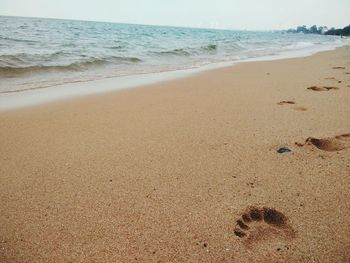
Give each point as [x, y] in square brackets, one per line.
[38, 53]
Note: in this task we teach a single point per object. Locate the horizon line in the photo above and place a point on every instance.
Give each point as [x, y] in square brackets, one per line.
[159, 25]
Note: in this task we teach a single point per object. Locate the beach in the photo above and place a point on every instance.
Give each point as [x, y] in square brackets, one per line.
[185, 170]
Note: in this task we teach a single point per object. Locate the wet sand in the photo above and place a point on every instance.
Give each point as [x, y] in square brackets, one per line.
[185, 170]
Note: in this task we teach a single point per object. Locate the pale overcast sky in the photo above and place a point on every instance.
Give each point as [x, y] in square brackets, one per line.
[234, 14]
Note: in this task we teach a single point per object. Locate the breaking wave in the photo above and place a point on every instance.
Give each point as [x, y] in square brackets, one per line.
[16, 65]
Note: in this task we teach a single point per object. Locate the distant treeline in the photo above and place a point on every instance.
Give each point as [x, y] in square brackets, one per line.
[323, 30]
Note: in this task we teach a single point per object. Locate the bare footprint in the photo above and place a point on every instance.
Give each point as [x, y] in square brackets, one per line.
[285, 102]
[264, 227]
[322, 88]
[331, 144]
[338, 67]
[297, 108]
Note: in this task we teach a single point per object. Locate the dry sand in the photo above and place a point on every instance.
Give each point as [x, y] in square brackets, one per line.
[162, 173]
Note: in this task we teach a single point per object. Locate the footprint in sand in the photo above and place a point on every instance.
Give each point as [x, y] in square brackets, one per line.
[264, 227]
[331, 144]
[298, 108]
[322, 88]
[286, 102]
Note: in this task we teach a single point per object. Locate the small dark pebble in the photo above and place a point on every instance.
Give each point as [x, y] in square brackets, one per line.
[205, 244]
[284, 150]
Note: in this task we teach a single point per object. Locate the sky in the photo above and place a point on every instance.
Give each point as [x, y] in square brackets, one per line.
[224, 14]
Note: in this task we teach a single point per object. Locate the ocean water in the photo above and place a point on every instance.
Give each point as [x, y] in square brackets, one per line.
[38, 53]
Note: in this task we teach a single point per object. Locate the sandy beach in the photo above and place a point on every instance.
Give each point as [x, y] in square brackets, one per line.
[185, 170]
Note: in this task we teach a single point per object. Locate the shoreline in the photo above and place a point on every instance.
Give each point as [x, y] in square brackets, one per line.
[37, 96]
[186, 170]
